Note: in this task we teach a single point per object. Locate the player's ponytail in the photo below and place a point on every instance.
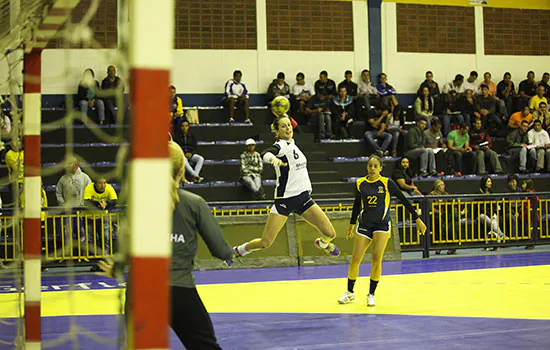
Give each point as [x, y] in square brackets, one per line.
[178, 170]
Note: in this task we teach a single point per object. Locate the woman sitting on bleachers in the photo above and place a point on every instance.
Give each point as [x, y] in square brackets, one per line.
[403, 175]
[88, 89]
[488, 213]
[424, 106]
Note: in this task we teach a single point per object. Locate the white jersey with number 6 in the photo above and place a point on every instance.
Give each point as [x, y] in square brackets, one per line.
[292, 179]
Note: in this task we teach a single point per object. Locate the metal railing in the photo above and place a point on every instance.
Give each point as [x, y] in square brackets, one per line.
[78, 236]
[457, 221]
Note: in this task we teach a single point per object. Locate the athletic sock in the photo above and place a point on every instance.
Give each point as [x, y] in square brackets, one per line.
[373, 285]
[324, 244]
[242, 249]
[351, 284]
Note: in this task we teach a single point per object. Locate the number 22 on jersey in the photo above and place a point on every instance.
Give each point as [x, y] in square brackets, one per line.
[372, 200]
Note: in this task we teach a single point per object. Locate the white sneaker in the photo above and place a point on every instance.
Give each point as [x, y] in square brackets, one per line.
[370, 300]
[346, 298]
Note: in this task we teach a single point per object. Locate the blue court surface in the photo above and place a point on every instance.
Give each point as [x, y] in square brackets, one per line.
[489, 302]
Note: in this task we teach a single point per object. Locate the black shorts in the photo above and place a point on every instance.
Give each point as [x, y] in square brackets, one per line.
[297, 204]
[369, 228]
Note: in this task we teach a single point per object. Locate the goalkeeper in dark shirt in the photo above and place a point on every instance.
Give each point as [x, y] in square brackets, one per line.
[191, 217]
[372, 206]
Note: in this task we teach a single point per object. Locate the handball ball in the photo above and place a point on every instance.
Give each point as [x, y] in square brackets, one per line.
[280, 105]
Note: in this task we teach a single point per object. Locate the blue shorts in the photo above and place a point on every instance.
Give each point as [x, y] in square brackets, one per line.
[369, 228]
[297, 204]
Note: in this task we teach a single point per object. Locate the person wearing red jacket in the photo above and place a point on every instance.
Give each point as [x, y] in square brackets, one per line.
[480, 141]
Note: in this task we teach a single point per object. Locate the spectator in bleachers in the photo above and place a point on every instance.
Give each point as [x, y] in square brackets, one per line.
[511, 210]
[471, 83]
[325, 86]
[463, 112]
[434, 136]
[376, 130]
[493, 91]
[236, 95]
[527, 89]
[416, 148]
[87, 95]
[5, 127]
[396, 123]
[347, 83]
[458, 142]
[545, 82]
[367, 95]
[432, 86]
[278, 87]
[455, 87]
[489, 213]
[318, 111]
[252, 167]
[506, 91]
[100, 197]
[70, 194]
[15, 162]
[485, 108]
[387, 92]
[43, 201]
[302, 92]
[342, 109]
[490, 84]
[517, 118]
[451, 93]
[15, 159]
[424, 106]
[543, 115]
[481, 144]
[512, 183]
[540, 139]
[538, 98]
[188, 143]
[176, 105]
[528, 186]
[435, 93]
[402, 175]
[444, 217]
[111, 86]
[517, 145]
[70, 187]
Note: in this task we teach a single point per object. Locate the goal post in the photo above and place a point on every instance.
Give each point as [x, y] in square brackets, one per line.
[151, 38]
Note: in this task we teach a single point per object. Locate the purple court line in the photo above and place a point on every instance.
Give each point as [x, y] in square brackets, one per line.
[92, 282]
[389, 268]
[274, 331]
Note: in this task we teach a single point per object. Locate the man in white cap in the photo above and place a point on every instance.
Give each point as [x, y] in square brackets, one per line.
[251, 169]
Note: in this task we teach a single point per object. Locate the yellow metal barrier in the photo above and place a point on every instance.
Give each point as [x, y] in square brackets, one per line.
[544, 218]
[80, 236]
[86, 235]
[407, 231]
[456, 222]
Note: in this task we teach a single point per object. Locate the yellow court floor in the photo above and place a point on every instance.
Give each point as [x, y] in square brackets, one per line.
[516, 292]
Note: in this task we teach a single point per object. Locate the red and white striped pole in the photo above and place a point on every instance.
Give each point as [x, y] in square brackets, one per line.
[149, 210]
[31, 225]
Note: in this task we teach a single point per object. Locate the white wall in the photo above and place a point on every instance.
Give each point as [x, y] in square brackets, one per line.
[205, 71]
[406, 70]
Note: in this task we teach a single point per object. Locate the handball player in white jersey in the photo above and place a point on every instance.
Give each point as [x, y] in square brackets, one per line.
[292, 194]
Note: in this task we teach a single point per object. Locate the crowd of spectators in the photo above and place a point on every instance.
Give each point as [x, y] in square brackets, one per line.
[463, 117]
